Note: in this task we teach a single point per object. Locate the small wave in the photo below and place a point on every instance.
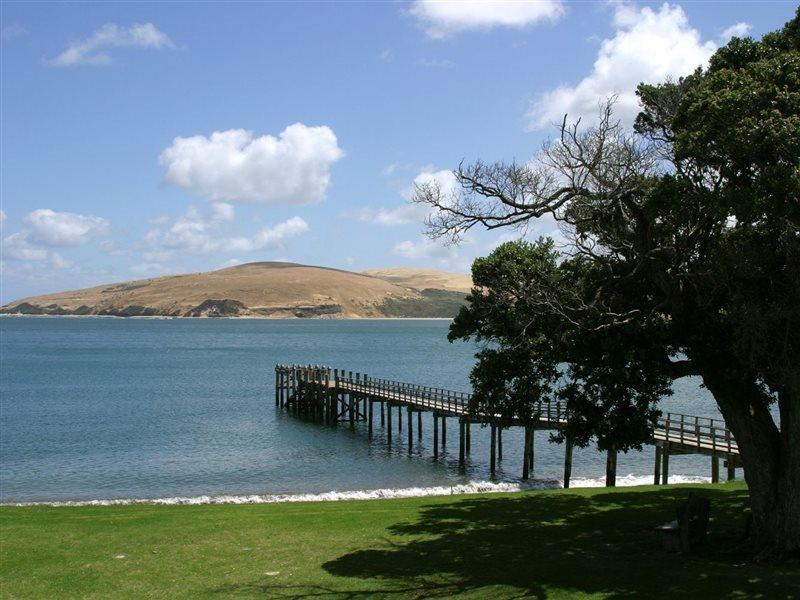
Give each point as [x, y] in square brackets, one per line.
[631, 480]
[473, 487]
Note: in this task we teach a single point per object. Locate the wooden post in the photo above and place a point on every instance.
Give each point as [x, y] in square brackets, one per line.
[399, 418]
[665, 465]
[410, 428]
[277, 387]
[369, 417]
[499, 443]
[469, 437]
[567, 461]
[493, 450]
[530, 451]
[525, 466]
[389, 424]
[444, 432]
[731, 468]
[657, 467]
[714, 468]
[435, 435]
[611, 467]
[462, 443]
[350, 407]
[383, 414]
[419, 425]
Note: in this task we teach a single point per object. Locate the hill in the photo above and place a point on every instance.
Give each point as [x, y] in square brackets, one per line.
[263, 289]
[424, 278]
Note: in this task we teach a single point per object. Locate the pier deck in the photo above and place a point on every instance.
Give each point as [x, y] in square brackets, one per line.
[334, 395]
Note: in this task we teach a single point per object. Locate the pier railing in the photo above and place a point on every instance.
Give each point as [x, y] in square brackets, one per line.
[679, 430]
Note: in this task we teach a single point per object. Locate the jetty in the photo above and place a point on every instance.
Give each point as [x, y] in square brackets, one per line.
[335, 395]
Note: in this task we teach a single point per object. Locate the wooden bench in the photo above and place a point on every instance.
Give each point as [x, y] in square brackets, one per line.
[689, 530]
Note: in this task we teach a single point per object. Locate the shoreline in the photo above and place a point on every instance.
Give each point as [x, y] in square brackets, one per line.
[470, 488]
[243, 318]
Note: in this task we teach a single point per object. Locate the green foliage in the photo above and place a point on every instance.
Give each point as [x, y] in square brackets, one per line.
[442, 304]
[534, 352]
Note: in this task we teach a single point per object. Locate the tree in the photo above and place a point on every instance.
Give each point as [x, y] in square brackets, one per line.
[682, 258]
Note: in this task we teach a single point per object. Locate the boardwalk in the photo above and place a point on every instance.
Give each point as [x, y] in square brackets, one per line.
[333, 395]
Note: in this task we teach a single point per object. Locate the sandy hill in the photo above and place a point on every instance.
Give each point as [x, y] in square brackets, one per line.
[421, 279]
[263, 289]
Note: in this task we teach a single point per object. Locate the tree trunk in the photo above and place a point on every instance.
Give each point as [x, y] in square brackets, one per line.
[770, 456]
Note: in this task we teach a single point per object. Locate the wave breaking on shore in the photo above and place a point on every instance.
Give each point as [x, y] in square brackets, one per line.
[473, 487]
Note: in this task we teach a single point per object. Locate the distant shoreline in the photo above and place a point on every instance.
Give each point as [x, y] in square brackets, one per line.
[242, 318]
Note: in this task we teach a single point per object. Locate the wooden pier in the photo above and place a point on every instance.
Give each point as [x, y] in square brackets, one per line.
[335, 396]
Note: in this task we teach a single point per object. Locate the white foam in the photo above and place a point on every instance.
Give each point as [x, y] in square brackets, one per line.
[631, 480]
[473, 487]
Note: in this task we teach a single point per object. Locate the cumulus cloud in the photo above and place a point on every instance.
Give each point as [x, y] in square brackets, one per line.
[48, 229]
[649, 45]
[92, 50]
[408, 212]
[201, 233]
[17, 245]
[426, 249]
[736, 30]
[53, 228]
[444, 18]
[234, 166]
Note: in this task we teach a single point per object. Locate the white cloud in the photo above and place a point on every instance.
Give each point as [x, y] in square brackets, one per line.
[48, 228]
[409, 212]
[232, 165]
[268, 238]
[201, 233]
[18, 246]
[649, 45]
[222, 211]
[425, 249]
[231, 262]
[402, 215]
[59, 262]
[443, 18]
[52, 228]
[386, 55]
[395, 167]
[91, 51]
[2, 216]
[736, 30]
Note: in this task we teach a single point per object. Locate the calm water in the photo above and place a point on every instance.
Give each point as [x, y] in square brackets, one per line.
[116, 408]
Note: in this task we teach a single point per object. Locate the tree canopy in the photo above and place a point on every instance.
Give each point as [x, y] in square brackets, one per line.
[682, 257]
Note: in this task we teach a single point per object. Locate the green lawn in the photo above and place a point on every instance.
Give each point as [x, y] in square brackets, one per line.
[565, 543]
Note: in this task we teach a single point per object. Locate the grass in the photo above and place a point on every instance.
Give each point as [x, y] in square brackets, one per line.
[591, 543]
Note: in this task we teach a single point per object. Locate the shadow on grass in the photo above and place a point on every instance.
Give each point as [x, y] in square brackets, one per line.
[539, 545]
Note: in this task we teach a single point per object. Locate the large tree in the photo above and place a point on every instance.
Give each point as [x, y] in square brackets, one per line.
[682, 258]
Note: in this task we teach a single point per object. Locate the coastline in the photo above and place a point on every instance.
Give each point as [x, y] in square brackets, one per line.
[470, 488]
[233, 318]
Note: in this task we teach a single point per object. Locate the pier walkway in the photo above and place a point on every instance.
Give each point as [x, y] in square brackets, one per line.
[334, 395]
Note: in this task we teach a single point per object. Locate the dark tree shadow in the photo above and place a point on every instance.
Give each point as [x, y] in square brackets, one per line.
[603, 544]
[533, 545]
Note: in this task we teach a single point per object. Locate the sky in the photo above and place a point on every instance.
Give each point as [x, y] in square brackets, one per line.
[148, 138]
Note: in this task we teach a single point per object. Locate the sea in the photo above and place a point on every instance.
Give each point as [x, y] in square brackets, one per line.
[122, 410]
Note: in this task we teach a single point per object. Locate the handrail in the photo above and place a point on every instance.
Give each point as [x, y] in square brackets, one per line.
[688, 430]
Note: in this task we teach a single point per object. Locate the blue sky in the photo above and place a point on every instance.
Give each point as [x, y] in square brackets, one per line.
[140, 139]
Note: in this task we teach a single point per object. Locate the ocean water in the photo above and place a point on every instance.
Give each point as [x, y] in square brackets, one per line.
[182, 410]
